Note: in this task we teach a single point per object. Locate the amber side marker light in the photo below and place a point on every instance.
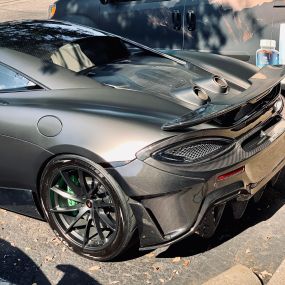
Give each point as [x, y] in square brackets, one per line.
[231, 173]
[51, 10]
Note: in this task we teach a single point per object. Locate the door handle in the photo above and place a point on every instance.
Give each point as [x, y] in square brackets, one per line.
[177, 20]
[191, 20]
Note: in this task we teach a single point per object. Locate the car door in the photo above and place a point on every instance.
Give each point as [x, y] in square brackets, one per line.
[17, 155]
[20, 159]
[230, 27]
[155, 23]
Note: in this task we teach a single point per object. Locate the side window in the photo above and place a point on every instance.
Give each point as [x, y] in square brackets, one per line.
[12, 81]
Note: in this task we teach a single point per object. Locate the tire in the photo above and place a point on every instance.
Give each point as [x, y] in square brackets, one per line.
[79, 197]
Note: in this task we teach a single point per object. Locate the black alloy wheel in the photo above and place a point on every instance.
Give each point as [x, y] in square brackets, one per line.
[86, 207]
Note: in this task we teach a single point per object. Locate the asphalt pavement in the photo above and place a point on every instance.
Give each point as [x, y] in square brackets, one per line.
[23, 9]
[30, 253]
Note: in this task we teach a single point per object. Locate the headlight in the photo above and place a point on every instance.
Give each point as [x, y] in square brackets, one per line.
[194, 151]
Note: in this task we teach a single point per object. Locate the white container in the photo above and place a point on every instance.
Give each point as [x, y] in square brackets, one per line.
[282, 44]
[282, 49]
[267, 54]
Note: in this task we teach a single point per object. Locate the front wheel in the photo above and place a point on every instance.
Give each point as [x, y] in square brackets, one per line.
[86, 208]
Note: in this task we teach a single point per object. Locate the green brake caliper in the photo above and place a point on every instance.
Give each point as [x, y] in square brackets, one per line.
[62, 201]
[70, 202]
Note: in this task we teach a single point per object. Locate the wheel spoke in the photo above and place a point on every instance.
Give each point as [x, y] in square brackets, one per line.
[87, 232]
[96, 221]
[82, 211]
[66, 209]
[83, 206]
[66, 195]
[106, 220]
[70, 183]
[82, 181]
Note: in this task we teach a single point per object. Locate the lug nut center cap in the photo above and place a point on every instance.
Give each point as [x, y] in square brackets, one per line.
[89, 204]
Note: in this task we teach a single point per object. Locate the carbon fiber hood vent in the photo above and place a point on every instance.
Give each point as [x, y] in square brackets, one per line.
[162, 76]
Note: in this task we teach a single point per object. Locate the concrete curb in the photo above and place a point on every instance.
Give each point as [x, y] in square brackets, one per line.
[237, 275]
[278, 277]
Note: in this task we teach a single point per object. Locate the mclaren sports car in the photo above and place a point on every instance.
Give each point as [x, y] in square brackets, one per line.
[110, 141]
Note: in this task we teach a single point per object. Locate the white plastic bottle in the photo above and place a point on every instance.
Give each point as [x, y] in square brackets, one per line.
[267, 54]
[282, 44]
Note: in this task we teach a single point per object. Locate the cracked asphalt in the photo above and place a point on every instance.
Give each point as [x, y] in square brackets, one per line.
[30, 253]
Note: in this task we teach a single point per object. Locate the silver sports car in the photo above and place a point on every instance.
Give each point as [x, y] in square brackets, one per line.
[109, 140]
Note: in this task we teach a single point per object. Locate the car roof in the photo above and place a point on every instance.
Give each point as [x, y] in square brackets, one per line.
[41, 38]
[45, 73]
[27, 46]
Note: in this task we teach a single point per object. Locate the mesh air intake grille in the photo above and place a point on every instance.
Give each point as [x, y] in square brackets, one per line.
[196, 151]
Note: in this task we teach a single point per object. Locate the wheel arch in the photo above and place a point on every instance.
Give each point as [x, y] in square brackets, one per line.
[64, 150]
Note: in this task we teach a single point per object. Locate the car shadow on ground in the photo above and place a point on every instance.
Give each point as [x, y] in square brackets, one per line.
[18, 268]
[272, 200]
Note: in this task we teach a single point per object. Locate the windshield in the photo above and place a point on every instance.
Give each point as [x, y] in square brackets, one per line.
[90, 52]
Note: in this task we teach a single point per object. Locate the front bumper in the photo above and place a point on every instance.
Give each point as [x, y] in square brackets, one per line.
[171, 206]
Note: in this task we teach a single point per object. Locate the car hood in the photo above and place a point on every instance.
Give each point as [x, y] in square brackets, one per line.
[191, 85]
[207, 85]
